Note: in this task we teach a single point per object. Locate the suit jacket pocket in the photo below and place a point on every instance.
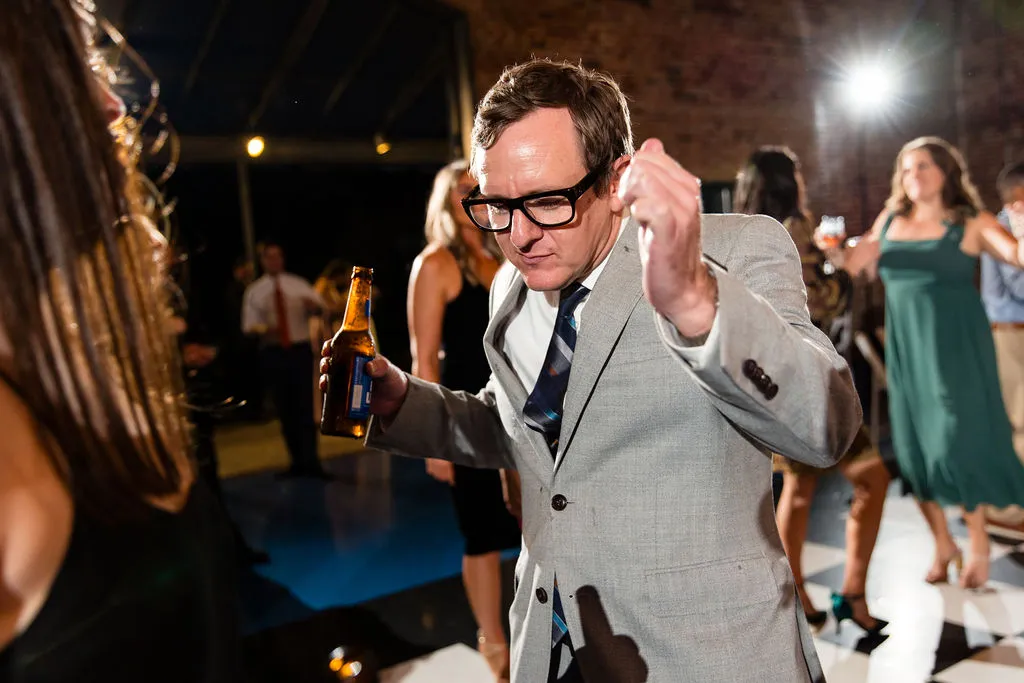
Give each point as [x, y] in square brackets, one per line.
[724, 584]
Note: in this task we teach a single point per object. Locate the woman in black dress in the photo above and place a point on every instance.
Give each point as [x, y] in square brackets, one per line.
[116, 562]
[447, 310]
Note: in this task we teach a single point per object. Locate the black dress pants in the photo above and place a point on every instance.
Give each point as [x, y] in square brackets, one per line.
[289, 374]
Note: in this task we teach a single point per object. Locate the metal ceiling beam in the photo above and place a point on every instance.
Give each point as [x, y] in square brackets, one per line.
[369, 45]
[204, 48]
[296, 45]
[415, 86]
[231, 149]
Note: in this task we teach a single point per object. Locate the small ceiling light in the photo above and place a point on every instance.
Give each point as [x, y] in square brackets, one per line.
[255, 146]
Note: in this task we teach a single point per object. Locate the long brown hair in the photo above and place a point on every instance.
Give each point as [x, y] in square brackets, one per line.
[82, 298]
[441, 226]
[771, 184]
[959, 195]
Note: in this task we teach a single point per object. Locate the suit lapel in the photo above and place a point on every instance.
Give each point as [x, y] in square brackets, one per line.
[506, 375]
[607, 309]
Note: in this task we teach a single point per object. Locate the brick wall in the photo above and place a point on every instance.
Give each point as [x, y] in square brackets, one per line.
[715, 78]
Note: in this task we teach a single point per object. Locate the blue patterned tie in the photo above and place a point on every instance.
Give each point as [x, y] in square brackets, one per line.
[543, 409]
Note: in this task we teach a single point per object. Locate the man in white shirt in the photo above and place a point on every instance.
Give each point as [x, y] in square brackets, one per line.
[277, 308]
[650, 551]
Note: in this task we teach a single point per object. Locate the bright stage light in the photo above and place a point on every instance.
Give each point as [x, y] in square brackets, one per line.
[870, 87]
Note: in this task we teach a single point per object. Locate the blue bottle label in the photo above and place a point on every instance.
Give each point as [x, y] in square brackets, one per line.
[359, 392]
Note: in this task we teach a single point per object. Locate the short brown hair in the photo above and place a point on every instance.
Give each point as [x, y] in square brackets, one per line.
[959, 194]
[596, 104]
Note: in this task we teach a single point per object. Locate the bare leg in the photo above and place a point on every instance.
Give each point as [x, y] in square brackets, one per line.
[975, 574]
[946, 550]
[481, 575]
[791, 517]
[870, 480]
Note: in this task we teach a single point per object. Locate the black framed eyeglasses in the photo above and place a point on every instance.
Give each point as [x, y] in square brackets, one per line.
[549, 209]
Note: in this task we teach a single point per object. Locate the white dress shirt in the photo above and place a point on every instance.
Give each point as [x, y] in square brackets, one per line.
[259, 312]
[529, 332]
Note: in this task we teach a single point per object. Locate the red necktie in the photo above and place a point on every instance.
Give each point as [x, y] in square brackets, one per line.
[282, 315]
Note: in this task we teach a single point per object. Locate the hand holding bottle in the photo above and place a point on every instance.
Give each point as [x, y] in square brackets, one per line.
[390, 385]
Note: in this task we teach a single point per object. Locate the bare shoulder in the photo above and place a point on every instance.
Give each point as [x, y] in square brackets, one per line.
[983, 231]
[36, 515]
[984, 219]
[437, 266]
[875, 233]
[22, 453]
[436, 258]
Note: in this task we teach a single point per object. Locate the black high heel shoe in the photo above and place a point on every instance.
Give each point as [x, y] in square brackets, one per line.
[842, 609]
[818, 617]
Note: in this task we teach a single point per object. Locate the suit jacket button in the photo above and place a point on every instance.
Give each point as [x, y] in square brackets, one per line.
[771, 391]
[559, 502]
[542, 596]
[750, 368]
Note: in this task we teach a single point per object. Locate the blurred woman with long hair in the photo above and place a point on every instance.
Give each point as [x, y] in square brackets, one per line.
[113, 559]
[950, 431]
[448, 314]
[772, 184]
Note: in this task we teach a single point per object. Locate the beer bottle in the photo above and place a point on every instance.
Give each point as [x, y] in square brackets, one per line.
[347, 399]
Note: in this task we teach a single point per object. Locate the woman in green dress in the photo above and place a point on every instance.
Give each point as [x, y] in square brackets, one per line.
[771, 184]
[950, 431]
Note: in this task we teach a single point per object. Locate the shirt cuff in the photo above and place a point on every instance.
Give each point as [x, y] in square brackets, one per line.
[696, 352]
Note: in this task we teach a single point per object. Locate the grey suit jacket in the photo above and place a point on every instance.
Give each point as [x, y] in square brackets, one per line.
[657, 513]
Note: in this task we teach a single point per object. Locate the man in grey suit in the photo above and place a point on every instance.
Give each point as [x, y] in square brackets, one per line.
[646, 362]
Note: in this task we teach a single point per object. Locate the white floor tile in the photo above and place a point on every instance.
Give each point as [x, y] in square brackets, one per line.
[842, 665]
[999, 608]
[453, 664]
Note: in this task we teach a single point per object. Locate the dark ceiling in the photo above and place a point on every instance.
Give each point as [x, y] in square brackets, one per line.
[300, 69]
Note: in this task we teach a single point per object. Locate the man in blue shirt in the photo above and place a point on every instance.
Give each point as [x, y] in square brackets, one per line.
[1002, 289]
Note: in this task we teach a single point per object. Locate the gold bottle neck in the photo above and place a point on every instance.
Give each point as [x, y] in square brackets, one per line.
[357, 310]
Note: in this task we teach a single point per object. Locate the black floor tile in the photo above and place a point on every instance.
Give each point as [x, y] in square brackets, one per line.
[382, 632]
[957, 643]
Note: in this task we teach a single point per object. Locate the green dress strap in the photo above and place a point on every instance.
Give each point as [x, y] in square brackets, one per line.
[954, 231]
[888, 222]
